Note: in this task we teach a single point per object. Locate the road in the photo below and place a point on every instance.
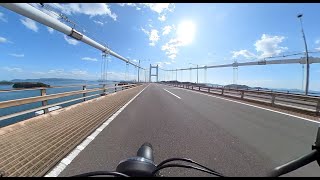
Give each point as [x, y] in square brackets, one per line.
[232, 138]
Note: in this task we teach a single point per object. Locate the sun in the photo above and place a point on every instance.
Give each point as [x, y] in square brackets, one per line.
[186, 31]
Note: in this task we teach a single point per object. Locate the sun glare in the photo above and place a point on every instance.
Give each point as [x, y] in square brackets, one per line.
[186, 31]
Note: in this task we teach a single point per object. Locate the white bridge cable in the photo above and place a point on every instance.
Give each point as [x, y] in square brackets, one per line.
[48, 9]
[35, 14]
[252, 63]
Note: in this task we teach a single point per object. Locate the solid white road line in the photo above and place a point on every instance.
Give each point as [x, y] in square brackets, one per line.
[172, 93]
[318, 122]
[68, 159]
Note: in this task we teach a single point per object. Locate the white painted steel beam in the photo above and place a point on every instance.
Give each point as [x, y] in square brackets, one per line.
[43, 18]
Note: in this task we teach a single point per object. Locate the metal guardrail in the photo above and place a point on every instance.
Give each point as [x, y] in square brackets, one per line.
[287, 100]
[43, 98]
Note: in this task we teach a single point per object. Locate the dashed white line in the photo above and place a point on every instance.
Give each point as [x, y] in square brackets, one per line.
[68, 159]
[172, 94]
[318, 122]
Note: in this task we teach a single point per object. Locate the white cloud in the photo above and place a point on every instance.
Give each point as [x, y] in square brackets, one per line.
[56, 71]
[127, 4]
[135, 60]
[162, 64]
[91, 9]
[71, 40]
[153, 36]
[61, 73]
[269, 45]
[98, 22]
[38, 73]
[166, 30]
[30, 24]
[3, 40]
[316, 42]
[156, 7]
[50, 30]
[89, 59]
[244, 53]
[2, 18]
[159, 7]
[17, 55]
[172, 56]
[78, 72]
[145, 31]
[171, 48]
[15, 69]
[162, 18]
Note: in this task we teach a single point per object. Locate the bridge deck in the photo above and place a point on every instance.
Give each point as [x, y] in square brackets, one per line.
[32, 147]
[230, 137]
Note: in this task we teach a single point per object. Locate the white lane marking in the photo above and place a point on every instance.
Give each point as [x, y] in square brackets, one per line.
[172, 93]
[254, 106]
[75, 152]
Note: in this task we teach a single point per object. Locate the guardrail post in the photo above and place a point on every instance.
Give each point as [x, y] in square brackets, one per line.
[242, 94]
[199, 88]
[115, 87]
[84, 94]
[44, 103]
[273, 98]
[318, 107]
[192, 87]
[208, 89]
[222, 90]
[104, 89]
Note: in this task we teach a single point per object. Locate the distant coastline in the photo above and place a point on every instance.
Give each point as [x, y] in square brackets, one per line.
[6, 82]
[46, 82]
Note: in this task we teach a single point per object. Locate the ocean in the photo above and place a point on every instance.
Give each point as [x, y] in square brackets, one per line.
[5, 96]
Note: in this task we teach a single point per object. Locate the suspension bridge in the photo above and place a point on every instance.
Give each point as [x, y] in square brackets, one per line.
[238, 132]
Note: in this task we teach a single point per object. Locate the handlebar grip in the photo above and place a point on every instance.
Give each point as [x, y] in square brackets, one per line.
[295, 164]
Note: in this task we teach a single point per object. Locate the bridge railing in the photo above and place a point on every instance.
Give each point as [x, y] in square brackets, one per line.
[44, 97]
[305, 103]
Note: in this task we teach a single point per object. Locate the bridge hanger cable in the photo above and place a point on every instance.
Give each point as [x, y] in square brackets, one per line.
[101, 68]
[107, 63]
[126, 74]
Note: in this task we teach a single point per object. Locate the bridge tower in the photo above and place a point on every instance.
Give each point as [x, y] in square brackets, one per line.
[157, 72]
[205, 74]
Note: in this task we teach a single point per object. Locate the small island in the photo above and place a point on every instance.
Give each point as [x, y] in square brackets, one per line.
[29, 85]
[6, 82]
[237, 86]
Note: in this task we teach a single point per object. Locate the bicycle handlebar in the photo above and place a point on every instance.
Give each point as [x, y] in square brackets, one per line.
[295, 164]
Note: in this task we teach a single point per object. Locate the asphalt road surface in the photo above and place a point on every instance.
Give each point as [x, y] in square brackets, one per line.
[231, 138]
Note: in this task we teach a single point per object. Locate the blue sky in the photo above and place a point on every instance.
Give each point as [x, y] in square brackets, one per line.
[171, 35]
